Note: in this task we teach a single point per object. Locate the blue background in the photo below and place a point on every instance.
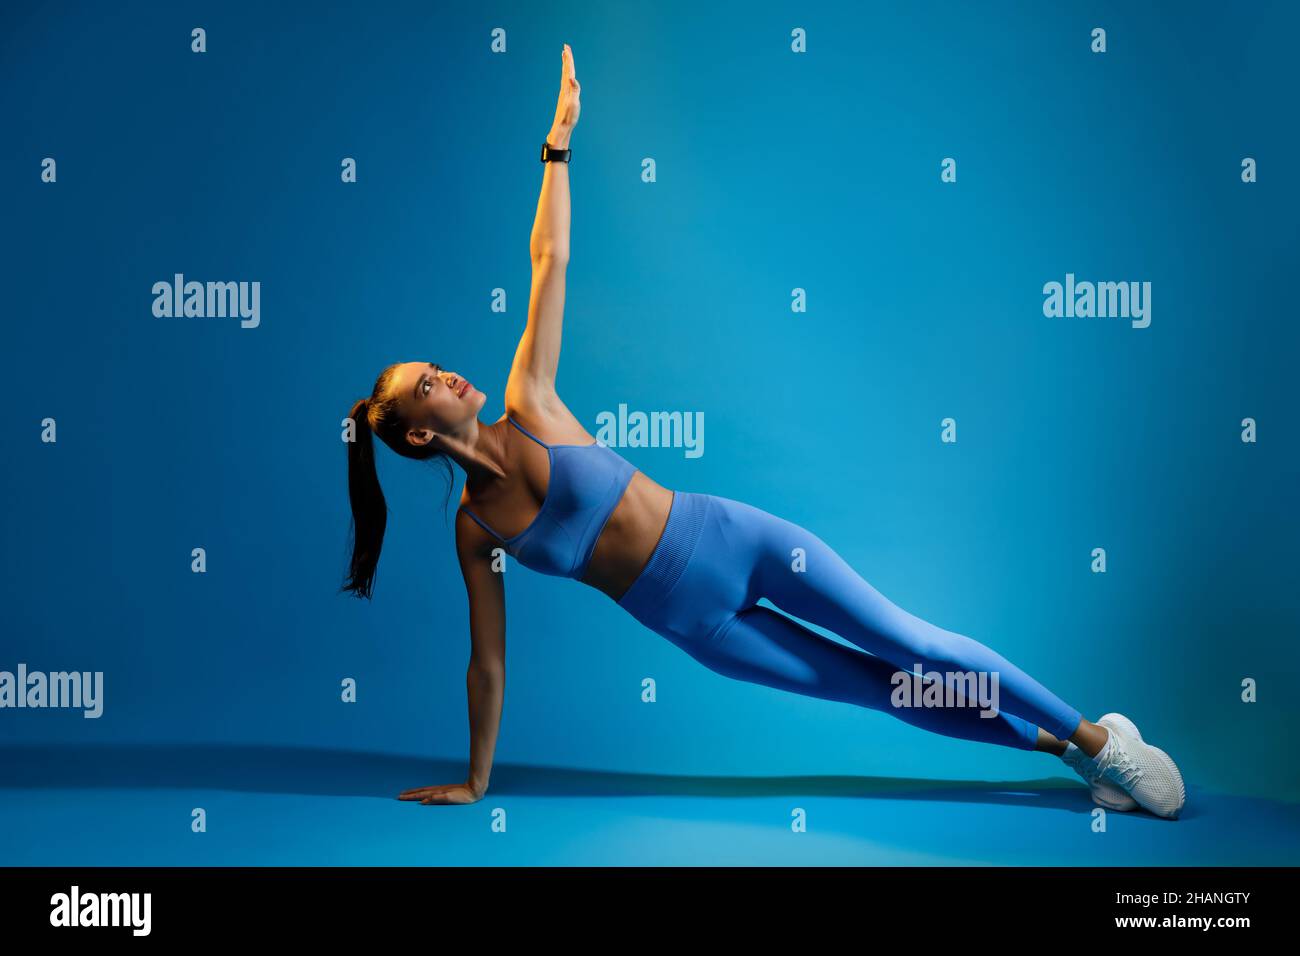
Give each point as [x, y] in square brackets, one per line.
[775, 171]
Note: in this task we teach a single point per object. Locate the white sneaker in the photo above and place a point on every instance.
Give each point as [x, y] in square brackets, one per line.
[1144, 772]
[1104, 793]
[1119, 799]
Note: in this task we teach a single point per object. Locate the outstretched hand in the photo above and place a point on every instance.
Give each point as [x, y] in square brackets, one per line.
[569, 105]
[442, 793]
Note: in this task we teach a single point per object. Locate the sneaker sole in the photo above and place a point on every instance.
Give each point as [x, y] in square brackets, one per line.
[1129, 805]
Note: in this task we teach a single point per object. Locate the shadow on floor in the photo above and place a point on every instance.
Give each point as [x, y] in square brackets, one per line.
[305, 770]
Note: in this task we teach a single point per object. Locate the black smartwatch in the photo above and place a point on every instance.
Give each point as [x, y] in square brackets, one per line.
[552, 155]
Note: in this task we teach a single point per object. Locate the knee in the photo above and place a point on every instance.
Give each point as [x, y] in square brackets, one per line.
[945, 647]
[920, 639]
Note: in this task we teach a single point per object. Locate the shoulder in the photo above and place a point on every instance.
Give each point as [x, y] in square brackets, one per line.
[529, 397]
[472, 539]
[474, 549]
[550, 420]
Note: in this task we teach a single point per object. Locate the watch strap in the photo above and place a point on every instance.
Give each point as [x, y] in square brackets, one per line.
[552, 155]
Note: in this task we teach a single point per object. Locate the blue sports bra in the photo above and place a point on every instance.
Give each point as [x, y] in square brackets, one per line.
[586, 484]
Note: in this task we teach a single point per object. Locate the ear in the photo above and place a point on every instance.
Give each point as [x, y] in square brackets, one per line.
[420, 436]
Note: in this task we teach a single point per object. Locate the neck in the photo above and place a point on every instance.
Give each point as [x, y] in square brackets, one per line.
[480, 451]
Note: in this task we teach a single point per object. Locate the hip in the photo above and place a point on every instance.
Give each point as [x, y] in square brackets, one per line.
[708, 565]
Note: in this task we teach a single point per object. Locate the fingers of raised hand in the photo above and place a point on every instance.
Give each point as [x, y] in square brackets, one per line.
[570, 71]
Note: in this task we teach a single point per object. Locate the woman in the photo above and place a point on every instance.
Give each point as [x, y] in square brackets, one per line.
[691, 567]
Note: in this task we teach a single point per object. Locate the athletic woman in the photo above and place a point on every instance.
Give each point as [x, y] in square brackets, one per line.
[691, 567]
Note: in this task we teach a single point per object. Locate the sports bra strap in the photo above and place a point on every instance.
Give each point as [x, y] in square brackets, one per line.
[481, 523]
[527, 432]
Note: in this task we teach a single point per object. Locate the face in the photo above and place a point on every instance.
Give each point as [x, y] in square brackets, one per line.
[434, 400]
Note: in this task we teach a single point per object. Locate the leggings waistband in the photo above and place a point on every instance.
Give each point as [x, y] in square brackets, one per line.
[671, 555]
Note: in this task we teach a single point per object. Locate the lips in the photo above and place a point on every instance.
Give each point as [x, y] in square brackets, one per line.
[465, 387]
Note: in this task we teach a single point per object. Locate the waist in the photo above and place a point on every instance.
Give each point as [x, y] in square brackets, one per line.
[670, 556]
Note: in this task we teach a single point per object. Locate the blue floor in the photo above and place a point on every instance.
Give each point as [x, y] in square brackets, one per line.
[71, 806]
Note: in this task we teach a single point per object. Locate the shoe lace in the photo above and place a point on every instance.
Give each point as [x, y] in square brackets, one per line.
[1089, 771]
[1125, 768]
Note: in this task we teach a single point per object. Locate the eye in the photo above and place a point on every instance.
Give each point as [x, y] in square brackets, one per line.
[427, 385]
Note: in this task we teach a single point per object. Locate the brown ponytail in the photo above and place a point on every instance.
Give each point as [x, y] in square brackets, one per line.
[369, 510]
[381, 415]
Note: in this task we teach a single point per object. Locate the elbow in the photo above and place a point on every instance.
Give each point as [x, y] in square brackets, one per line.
[486, 673]
[549, 255]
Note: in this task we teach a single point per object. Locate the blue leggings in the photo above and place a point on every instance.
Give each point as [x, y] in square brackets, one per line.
[717, 557]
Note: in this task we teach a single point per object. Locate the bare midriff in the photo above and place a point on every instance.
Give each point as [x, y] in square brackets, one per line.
[629, 537]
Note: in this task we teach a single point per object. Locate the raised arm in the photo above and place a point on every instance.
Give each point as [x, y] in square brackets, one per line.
[532, 375]
[485, 680]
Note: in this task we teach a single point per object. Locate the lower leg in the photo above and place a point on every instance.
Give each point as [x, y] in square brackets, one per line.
[1048, 744]
[1089, 738]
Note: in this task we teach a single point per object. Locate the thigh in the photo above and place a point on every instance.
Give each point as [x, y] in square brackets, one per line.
[744, 550]
[801, 574]
[763, 646]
